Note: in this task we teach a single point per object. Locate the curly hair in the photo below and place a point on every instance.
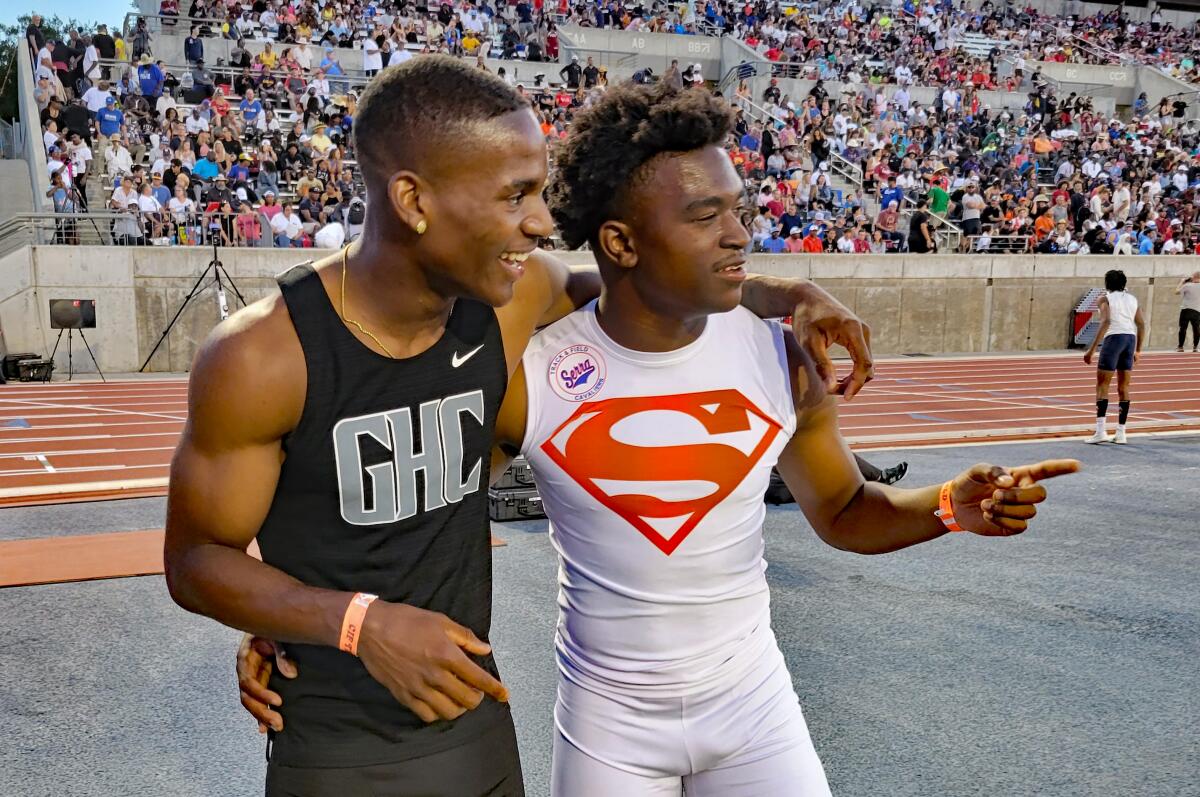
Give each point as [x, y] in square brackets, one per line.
[610, 142]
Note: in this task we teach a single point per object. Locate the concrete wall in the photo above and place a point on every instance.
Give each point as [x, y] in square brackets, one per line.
[1124, 82]
[930, 304]
[34, 150]
[921, 95]
[1068, 8]
[625, 52]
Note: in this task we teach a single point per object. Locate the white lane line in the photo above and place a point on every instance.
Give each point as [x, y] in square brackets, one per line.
[82, 487]
[34, 402]
[78, 469]
[107, 425]
[901, 446]
[92, 452]
[42, 459]
[71, 438]
[47, 405]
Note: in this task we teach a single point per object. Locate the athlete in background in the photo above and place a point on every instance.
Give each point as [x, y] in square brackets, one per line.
[1121, 334]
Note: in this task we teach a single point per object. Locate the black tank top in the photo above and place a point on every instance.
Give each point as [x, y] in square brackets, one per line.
[384, 490]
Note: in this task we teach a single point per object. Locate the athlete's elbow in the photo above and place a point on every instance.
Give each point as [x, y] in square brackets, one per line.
[181, 572]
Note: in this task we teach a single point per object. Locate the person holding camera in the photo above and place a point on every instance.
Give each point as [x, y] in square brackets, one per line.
[1189, 311]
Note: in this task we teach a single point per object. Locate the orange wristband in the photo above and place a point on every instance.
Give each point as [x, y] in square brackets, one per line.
[353, 620]
[945, 510]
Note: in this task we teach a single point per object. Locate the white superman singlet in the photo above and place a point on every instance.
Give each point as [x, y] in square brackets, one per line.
[652, 467]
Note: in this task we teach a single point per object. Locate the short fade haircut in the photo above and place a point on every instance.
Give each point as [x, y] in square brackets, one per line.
[1114, 280]
[425, 102]
[611, 141]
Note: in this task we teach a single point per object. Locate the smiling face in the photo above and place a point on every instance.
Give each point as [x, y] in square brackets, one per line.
[484, 209]
[685, 230]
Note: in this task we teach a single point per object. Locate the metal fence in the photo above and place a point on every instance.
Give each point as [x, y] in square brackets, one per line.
[163, 228]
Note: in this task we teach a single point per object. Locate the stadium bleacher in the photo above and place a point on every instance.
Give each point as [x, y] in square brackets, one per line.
[271, 111]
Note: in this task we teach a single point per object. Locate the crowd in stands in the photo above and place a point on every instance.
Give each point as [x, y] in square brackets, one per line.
[257, 151]
[1052, 177]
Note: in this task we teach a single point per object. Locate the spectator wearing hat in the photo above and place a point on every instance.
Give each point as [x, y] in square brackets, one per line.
[240, 170]
[150, 77]
[109, 119]
[795, 241]
[319, 141]
[117, 160]
[160, 191]
[774, 244]
[309, 180]
[572, 73]
[270, 207]
[812, 243]
[218, 192]
[312, 210]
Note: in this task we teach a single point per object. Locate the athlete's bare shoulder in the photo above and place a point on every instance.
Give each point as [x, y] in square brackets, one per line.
[548, 290]
[248, 380]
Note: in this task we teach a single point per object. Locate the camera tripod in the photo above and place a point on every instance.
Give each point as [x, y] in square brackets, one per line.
[70, 354]
[218, 271]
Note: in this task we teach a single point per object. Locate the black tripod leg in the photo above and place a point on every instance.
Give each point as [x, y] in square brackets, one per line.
[93, 356]
[232, 284]
[57, 341]
[195, 289]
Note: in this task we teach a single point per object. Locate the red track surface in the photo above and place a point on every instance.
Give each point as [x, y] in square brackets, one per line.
[88, 440]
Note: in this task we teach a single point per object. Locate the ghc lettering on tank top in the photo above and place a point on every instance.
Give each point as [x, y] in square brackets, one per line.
[394, 482]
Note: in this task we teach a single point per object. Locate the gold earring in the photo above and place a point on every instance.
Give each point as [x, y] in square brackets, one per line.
[422, 227]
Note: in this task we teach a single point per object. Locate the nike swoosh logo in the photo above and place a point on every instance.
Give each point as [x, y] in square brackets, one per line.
[456, 361]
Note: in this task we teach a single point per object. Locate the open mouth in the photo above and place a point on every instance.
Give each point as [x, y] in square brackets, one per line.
[735, 271]
[514, 262]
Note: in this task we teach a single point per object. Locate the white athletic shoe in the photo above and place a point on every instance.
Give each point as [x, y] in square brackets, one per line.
[1120, 438]
[1096, 438]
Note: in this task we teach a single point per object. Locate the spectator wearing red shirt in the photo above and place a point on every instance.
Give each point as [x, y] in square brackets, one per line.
[812, 243]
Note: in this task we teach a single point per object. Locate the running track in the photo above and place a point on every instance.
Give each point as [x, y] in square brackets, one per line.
[90, 440]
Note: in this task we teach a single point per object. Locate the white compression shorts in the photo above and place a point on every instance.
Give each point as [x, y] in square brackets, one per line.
[742, 738]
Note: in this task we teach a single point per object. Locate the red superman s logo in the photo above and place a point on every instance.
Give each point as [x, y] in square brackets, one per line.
[664, 472]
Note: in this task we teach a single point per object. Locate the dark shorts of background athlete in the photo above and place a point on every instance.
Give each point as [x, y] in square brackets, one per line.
[487, 766]
[1116, 353]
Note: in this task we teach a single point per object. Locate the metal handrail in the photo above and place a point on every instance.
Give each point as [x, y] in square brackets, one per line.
[849, 170]
[353, 81]
[1000, 243]
[129, 24]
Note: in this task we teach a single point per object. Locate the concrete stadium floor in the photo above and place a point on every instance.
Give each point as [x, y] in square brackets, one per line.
[1061, 662]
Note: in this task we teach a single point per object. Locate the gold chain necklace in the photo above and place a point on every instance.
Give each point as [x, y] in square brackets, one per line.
[351, 321]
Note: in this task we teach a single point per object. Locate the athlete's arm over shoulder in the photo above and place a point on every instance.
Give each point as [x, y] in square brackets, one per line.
[510, 424]
[548, 290]
[818, 321]
[246, 392]
[864, 517]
